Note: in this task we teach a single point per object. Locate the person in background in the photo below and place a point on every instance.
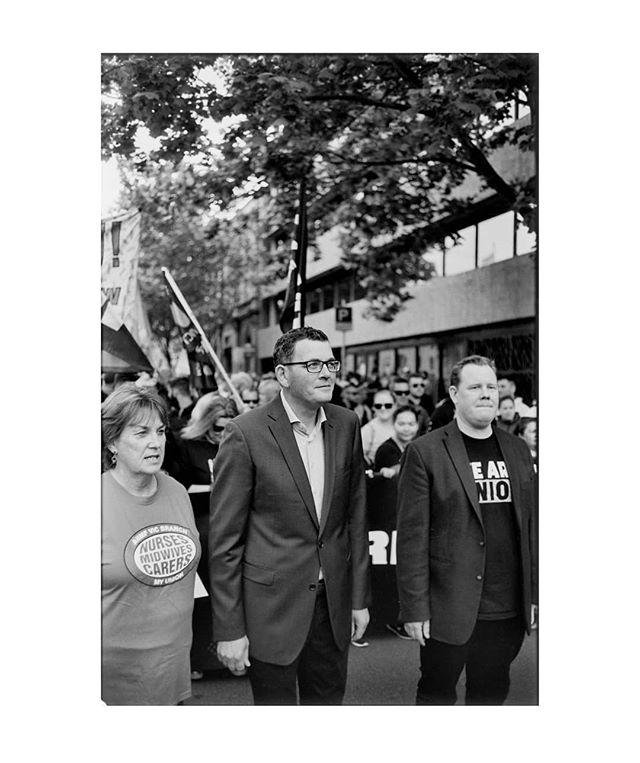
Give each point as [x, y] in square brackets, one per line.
[403, 393]
[527, 430]
[180, 389]
[507, 419]
[288, 543]
[146, 601]
[107, 385]
[198, 445]
[417, 386]
[507, 387]
[387, 464]
[442, 415]
[250, 398]
[267, 390]
[380, 428]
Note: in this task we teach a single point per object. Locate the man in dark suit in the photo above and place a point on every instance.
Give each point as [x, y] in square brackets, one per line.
[466, 545]
[289, 550]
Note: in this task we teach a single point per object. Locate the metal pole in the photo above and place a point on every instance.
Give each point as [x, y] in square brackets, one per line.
[203, 337]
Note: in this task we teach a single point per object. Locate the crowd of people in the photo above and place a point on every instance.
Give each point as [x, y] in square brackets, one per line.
[261, 507]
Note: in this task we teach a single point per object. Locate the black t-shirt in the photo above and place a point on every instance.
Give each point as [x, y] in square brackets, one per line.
[501, 589]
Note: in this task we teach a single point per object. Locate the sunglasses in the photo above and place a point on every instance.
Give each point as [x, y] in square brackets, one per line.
[418, 384]
[249, 402]
[378, 406]
[400, 391]
[217, 428]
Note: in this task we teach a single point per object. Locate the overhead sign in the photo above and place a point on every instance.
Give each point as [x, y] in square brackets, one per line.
[344, 318]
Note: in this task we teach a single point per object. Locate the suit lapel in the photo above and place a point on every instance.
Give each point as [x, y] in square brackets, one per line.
[454, 444]
[330, 444]
[280, 427]
[514, 474]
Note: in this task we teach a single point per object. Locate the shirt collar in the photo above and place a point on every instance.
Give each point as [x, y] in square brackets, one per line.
[321, 416]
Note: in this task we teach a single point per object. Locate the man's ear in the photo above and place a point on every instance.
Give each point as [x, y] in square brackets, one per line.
[281, 376]
[453, 393]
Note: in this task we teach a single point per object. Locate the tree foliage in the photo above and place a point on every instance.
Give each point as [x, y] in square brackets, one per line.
[383, 140]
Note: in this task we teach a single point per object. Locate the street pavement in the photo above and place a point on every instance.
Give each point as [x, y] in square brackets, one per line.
[384, 673]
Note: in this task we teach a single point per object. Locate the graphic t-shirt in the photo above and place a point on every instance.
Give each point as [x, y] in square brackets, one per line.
[150, 551]
[501, 588]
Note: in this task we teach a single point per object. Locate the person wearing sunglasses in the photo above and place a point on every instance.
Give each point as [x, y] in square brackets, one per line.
[288, 542]
[197, 447]
[250, 398]
[380, 428]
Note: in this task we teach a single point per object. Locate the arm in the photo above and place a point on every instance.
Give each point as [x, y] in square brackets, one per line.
[231, 500]
[413, 538]
[358, 529]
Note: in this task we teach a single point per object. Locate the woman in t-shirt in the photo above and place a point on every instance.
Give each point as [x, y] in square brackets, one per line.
[380, 428]
[150, 552]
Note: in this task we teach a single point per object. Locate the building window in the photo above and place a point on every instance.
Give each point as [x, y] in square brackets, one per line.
[265, 313]
[461, 255]
[406, 360]
[328, 296]
[359, 292]
[313, 300]
[495, 239]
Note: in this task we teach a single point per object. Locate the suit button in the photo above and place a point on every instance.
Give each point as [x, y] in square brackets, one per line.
[478, 577]
[312, 587]
[481, 543]
[320, 544]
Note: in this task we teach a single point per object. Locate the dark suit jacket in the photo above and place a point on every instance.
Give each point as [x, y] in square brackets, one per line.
[441, 543]
[265, 544]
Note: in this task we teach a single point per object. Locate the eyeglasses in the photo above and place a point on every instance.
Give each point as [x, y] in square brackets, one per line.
[252, 401]
[418, 384]
[315, 366]
[378, 406]
[400, 391]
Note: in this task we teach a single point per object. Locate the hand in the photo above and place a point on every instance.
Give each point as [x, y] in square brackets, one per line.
[234, 655]
[419, 631]
[359, 622]
[534, 616]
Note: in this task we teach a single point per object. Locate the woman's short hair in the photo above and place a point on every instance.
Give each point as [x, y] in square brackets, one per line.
[404, 409]
[207, 410]
[125, 405]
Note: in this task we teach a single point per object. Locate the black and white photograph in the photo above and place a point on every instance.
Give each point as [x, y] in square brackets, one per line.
[319, 341]
[367, 294]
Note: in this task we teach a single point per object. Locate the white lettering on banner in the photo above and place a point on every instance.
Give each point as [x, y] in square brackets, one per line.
[378, 544]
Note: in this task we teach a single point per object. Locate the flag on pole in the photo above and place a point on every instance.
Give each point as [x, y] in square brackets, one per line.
[294, 307]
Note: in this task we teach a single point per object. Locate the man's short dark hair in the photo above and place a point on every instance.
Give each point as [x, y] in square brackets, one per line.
[405, 409]
[285, 345]
[399, 380]
[473, 360]
[506, 397]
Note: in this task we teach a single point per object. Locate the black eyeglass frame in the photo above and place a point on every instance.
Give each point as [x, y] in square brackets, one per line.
[379, 406]
[306, 363]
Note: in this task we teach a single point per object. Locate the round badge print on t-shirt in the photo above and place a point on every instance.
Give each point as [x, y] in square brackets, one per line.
[159, 555]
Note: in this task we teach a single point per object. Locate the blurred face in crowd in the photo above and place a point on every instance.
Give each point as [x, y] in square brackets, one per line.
[507, 410]
[530, 435]
[250, 398]
[310, 390]
[476, 396]
[401, 392]
[349, 395]
[406, 426]
[383, 405]
[217, 428]
[506, 387]
[417, 387]
[140, 446]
